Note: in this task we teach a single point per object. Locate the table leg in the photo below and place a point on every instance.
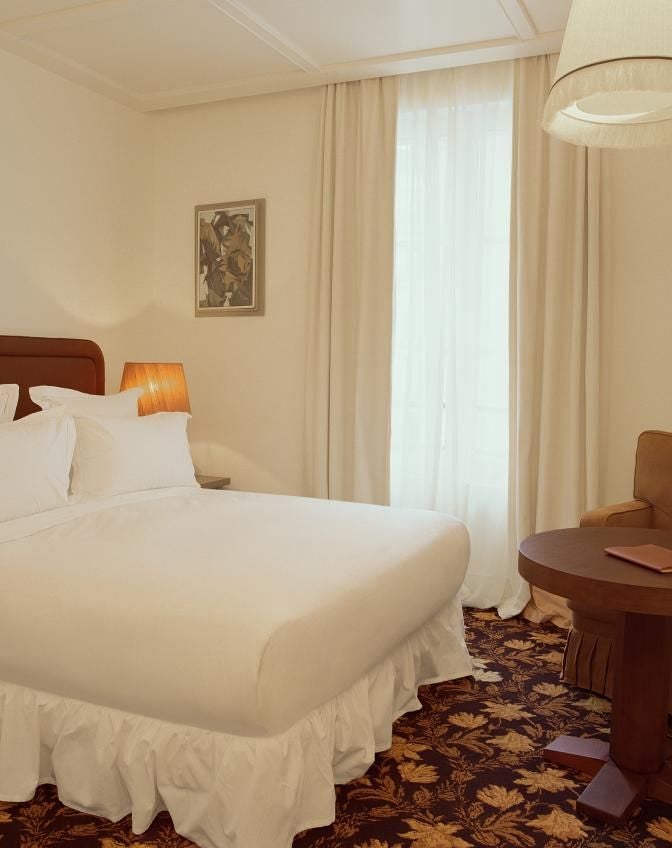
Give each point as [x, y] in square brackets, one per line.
[584, 755]
[636, 753]
[643, 662]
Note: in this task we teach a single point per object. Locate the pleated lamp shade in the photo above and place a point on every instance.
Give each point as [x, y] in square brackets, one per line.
[613, 84]
[164, 384]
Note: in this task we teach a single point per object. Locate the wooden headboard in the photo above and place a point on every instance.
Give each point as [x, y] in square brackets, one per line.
[31, 361]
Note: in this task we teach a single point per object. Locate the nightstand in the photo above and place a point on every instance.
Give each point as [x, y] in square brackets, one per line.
[207, 482]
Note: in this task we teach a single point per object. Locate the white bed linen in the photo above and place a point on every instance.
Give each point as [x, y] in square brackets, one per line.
[258, 646]
[120, 405]
[118, 455]
[9, 399]
[226, 611]
[35, 460]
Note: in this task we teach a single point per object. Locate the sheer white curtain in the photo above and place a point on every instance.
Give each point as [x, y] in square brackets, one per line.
[450, 388]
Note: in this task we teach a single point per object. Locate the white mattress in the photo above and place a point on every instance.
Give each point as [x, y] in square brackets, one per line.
[223, 611]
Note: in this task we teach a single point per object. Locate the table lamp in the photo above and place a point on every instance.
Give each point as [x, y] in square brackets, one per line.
[164, 385]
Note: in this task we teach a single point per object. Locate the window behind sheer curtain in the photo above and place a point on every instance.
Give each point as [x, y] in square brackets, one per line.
[450, 414]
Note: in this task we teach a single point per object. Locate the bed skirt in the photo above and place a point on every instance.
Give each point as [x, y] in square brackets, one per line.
[221, 790]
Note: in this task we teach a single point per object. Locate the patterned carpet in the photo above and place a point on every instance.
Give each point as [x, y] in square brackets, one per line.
[464, 772]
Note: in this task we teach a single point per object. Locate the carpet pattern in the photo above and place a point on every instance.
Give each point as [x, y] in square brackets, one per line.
[464, 772]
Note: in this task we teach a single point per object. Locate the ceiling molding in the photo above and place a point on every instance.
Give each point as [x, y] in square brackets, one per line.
[516, 12]
[259, 27]
[63, 12]
[385, 66]
[520, 38]
[70, 70]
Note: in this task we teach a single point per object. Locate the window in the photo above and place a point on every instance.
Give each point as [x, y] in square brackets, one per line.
[450, 343]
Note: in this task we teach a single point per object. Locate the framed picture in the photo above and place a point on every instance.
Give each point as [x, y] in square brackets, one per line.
[230, 258]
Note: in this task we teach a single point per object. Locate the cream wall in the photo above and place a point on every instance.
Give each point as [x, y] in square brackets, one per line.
[245, 374]
[74, 214]
[97, 240]
[637, 309]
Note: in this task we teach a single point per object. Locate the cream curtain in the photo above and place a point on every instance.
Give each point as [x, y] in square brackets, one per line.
[452, 304]
[450, 414]
[554, 324]
[348, 381]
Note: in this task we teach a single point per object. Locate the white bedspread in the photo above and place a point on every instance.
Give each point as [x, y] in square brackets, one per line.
[238, 613]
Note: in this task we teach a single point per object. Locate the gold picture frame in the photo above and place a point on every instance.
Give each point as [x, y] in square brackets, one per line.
[230, 258]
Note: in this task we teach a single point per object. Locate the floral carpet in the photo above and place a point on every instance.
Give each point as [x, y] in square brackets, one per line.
[464, 772]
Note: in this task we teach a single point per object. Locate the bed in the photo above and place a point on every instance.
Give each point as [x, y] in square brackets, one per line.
[225, 656]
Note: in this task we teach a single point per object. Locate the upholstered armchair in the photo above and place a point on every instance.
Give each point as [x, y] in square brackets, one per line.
[588, 656]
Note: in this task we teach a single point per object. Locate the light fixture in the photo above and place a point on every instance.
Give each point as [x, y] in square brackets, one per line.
[613, 84]
[164, 384]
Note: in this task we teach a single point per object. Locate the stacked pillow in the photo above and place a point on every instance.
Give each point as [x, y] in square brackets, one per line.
[92, 446]
[118, 455]
[9, 398]
[35, 459]
[122, 405]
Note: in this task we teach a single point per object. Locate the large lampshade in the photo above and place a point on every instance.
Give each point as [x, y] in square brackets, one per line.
[164, 384]
[613, 84]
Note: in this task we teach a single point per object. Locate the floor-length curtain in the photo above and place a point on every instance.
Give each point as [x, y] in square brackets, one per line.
[348, 379]
[554, 372]
[450, 398]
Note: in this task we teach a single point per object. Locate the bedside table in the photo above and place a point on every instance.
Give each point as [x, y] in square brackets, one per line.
[207, 482]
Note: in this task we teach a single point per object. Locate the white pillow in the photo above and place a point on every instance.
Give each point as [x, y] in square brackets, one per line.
[122, 405]
[117, 455]
[9, 398]
[35, 459]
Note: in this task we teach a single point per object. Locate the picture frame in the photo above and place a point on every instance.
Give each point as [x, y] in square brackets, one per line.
[230, 258]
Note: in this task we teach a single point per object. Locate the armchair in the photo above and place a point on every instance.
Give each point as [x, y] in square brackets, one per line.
[588, 654]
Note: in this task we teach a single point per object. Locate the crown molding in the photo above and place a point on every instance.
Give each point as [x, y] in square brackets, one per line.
[384, 66]
[308, 73]
[49, 60]
[265, 32]
[64, 11]
[236, 10]
[519, 18]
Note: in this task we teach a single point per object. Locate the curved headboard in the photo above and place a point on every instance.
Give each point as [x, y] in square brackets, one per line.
[32, 361]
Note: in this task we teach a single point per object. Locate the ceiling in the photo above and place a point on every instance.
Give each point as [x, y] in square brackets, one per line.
[157, 54]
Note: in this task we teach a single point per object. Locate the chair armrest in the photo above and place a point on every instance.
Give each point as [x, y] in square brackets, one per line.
[629, 514]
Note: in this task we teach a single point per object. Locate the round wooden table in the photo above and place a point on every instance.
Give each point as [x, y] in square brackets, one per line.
[572, 563]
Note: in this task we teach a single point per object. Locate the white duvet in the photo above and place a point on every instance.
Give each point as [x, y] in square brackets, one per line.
[224, 611]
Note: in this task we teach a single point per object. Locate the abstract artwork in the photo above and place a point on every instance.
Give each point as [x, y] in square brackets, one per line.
[230, 258]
